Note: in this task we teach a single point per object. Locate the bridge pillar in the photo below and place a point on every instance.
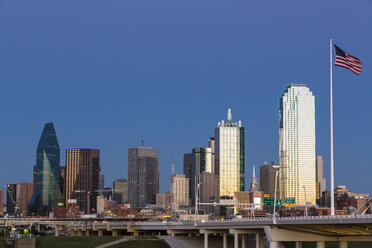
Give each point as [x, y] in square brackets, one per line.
[320, 244]
[236, 240]
[87, 233]
[56, 232]
[224, 237]
[298, 244]
[259, 241]
[79, 233]
[189, 235]
[114, 233]
[343, 244]
[274, 244]
[100, 233]
[243, 240]
[205, 240]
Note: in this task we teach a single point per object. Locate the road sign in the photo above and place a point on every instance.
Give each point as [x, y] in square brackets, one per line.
[266, 195]
[268, 201]
[291, 200]
[289, 204]
[279, 202]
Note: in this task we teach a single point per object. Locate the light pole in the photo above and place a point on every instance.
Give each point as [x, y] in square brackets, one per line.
[305, 201]
[276, 180]
[196, 201]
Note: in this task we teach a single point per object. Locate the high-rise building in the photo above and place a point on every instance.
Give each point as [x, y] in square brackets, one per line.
[297, 144]
[101, 182]
[121, 191]
[267, 178]
[229, 158]
[1, 202]
[62, 178]
[143, 176]
[82, 176]
[187, 164]
[179, 191]
[212, 145]
[11, 200]
[321, 181]
[201, 161]
[207, 191]
[46, 194]
[26, 191]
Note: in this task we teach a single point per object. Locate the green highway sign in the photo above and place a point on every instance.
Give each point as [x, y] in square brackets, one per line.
[279, 202]
[290, 200]
[268, 201]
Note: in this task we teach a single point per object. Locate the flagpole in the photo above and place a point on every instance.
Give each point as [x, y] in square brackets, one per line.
[332, 194]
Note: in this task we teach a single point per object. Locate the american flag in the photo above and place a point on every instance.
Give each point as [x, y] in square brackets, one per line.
[347, 61]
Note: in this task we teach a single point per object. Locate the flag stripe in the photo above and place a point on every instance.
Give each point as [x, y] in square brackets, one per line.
[345, 60]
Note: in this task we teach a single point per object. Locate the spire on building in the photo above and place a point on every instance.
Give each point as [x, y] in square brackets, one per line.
[143, 141]
[229, 115]
[254, 172]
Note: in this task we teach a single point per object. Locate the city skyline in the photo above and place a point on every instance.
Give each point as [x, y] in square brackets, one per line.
[107, 81]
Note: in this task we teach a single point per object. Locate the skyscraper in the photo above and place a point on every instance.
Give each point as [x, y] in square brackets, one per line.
[229, 157]
[267, 178]
[321, 181]
[26, 191]
[1, 202]
[297, 144]
[187, 164]
[46, 194]
[82, 176]
[11, 199]
[201, 161]
[143, 176]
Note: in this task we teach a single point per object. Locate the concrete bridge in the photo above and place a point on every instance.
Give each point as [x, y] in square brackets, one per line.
[344, 229]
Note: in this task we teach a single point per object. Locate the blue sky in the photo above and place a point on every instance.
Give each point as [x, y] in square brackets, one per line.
[106, 72]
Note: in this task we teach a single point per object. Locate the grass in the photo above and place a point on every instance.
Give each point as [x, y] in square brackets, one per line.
[329, 244]
[142, 243]
[73, 242]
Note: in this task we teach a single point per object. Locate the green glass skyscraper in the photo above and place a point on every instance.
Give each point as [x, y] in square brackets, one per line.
[47, 193]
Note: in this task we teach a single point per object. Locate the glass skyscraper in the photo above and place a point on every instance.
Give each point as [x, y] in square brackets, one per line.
[229, 157]
[143, 176]
[46, 194]
[297, 144]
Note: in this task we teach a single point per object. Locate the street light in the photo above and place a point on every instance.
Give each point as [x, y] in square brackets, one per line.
[305, 201]
[276, 179]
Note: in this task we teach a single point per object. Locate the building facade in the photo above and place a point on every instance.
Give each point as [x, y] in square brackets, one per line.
[297, 144]
[179, 191]
[121, 190]
[143, 176]
[187, 164]
[320, 180]
[207, 191]
[1, 202]
[201, 161]
[267, 178]
[47, 193]
[82, 176]
[229, 158]
[164, 200]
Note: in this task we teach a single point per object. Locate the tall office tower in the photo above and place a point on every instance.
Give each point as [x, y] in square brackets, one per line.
[82, 176]
[187, 164]
[11, 199]
[143, 176]
[62, 178]
[121, 191]
[25, 191]
[207, 190]
[267, 178]
[46, 194]
[179, 191]
[321, 181]
[201, 161]
[297, 144]
[254, 183]
[101, 183]
[1, 202]
[229, 158]
[34, 177]
[212, 145]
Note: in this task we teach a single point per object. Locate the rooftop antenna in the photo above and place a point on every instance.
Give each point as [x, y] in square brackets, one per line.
[143, 141]
[229, 115]
[173, 165]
